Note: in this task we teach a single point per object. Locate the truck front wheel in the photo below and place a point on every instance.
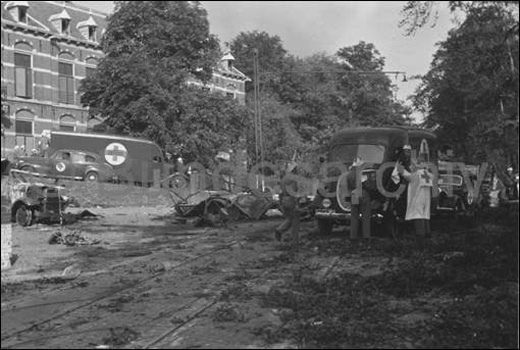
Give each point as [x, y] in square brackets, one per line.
[24, 215]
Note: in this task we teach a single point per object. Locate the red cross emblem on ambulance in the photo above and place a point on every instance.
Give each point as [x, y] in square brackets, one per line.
[115, 153]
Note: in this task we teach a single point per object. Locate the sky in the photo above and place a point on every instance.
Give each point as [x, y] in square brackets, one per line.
[308, 27]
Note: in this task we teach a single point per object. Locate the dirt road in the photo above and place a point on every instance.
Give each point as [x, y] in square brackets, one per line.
[148, 283]
[152, 283]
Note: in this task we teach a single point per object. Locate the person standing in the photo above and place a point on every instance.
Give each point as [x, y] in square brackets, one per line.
[289, 203]
[363, 206]
[418, 206]
[403, 160]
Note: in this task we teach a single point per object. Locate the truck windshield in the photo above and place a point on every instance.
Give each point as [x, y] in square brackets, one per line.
[368, 153]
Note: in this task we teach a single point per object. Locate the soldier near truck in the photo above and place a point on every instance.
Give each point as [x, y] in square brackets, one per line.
[289, 203]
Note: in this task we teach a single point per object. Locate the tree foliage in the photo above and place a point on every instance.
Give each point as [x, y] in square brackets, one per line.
[368, 89]
[471, 90]
[270, 53]
[172, 33]
[151, 49]
[305, 100]
[416, 14]
[207, 122]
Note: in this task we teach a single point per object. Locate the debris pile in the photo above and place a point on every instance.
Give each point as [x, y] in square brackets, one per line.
[71, 239]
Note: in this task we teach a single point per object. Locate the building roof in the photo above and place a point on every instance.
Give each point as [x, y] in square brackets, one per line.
[232, 72]
[224, 68]
[62, 15]
[11, 4]
[40, 14]
[88, 23]
[228, 57]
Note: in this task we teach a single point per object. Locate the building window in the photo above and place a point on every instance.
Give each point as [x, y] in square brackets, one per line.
[22, 14]
[230, 94]
[23, 127]
[22, 75]
[67, 123]
[65, 26]
[89, 71]
[88, 29]
[66, 83]
[92, 33]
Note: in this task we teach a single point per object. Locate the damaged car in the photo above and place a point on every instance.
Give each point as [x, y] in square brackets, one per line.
[34, 202]
[218, 207]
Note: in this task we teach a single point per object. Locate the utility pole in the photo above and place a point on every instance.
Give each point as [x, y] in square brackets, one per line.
[255, 101]
[259, 144]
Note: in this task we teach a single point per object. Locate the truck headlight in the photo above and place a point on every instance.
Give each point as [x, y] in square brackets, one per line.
[326, 203]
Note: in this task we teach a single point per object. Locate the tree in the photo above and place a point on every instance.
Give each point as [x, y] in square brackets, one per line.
[416, 14]
[205, 123]
[471, 90]
[368, 94]
[270, 53]
[279, 139]
[151, 49]
[305, 100]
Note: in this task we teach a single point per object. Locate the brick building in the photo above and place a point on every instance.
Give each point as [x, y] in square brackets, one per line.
[226, 80]
[47, 48]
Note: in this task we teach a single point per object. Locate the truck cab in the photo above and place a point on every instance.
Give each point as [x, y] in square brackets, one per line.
[379, 149]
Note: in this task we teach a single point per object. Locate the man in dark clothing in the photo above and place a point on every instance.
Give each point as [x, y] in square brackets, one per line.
[404, 159]
[362, 207]
[289, 202]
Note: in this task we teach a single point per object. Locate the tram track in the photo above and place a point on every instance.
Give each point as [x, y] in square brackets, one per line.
[11, 339]
[178, 303]
[173, 333]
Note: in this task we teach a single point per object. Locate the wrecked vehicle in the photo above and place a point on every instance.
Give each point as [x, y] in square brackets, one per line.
[454, 194]
[218, 207]
[247, 205]
[208, 206]
[36, 202]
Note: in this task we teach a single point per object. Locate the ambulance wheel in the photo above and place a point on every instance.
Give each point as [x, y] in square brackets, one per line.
[92, 176]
